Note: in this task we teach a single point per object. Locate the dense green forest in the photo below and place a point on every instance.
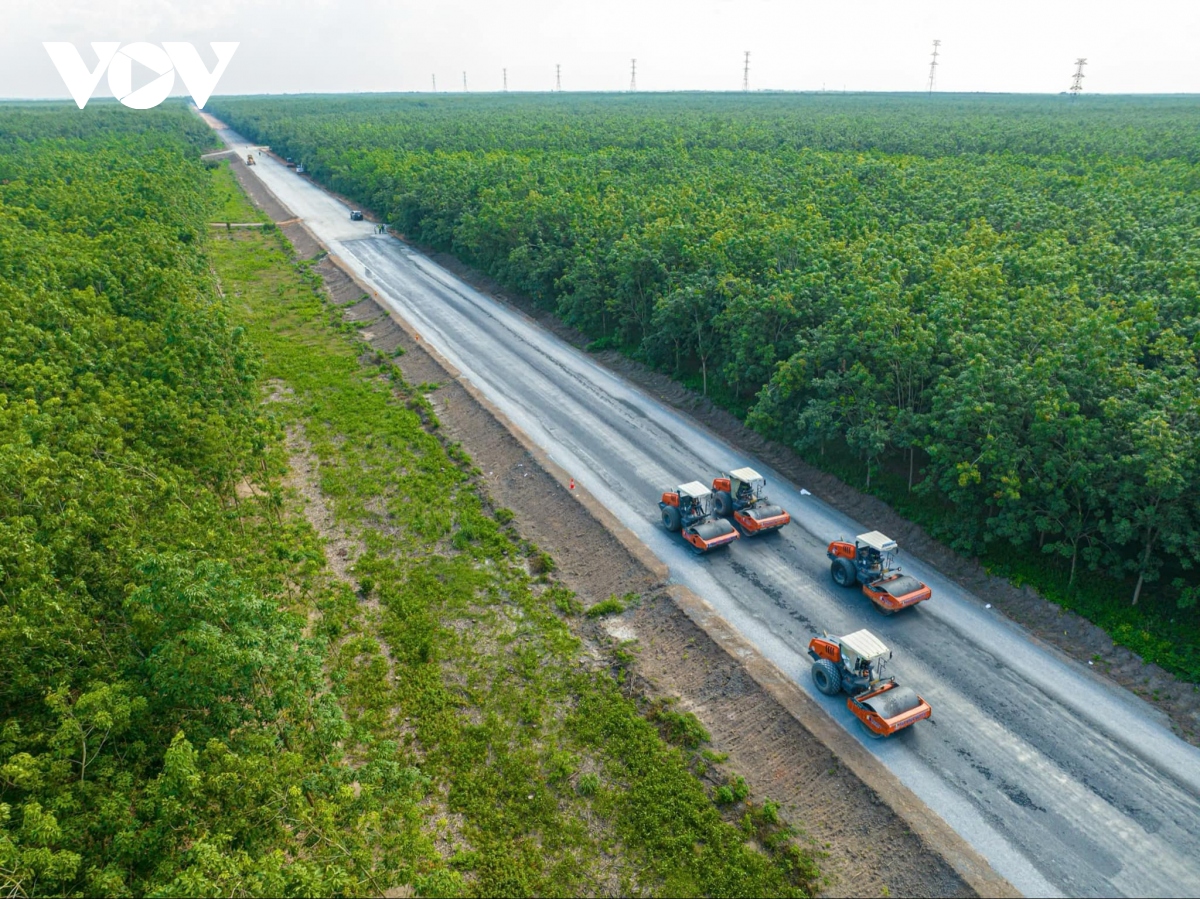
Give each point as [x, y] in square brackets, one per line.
[985, 308]
[145, 668]
[190, 702]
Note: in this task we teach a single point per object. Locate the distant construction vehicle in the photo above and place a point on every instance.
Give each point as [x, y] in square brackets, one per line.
[300, 168]
[854, 664]
[687, 510]
[740, 494]
[250, 159]
[356, 216]
[869, 561]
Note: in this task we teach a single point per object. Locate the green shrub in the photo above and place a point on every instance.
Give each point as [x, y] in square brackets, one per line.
[542, 563]
[610, 606]
[564, 600]
[681, 728]
[737, 785]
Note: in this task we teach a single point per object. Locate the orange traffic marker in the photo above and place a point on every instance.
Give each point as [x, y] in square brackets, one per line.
[572, 483]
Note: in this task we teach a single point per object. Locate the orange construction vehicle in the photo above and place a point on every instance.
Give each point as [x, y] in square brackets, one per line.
[687, 510]
[854, 664]
[869, 561]
[740, 494]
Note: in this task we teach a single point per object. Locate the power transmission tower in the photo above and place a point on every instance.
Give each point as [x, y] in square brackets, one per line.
[933, 65]
[434, 77]
[746, 73]
[633, 77]
[558, 76]
[464, 82]
[506, 81]
[1077, 78]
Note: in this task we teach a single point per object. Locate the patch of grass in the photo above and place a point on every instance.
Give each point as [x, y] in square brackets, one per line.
[1156, 629]
[610, 606]
[564, 600]
[588, 784]
[734, 791]
[229, 201]
[542, 563]
[681, 728]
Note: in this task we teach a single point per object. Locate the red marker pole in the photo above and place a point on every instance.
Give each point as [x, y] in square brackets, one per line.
[572, 483]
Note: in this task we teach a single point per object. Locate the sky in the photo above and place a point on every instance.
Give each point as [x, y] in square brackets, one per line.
[340, 46]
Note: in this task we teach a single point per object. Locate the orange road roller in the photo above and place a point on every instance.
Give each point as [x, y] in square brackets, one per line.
[687, 509]
[854, 664]
[740, 494]
[870, 561]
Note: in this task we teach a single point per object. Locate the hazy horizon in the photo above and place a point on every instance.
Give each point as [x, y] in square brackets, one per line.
[381, 46]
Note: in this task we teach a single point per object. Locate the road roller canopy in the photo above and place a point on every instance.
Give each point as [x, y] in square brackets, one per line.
[746, 474]
[877, 541]
[865, 645]
[694, 489]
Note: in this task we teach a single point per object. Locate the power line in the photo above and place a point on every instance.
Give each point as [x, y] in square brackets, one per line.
[1077, 78]
[557, 76]
[933, 63]
[746, 73]
[633, 77]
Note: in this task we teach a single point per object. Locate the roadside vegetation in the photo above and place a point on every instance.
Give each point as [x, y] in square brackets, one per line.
[202, 694]
[985, 310]
[230, 203]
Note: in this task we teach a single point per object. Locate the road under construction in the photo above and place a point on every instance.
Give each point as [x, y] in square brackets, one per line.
[1064, 782]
